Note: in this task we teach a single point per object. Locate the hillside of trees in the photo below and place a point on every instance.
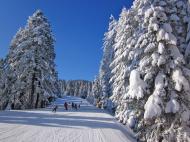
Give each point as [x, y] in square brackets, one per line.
[79, 88]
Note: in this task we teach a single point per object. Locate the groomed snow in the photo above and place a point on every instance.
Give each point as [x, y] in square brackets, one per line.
[88, 124]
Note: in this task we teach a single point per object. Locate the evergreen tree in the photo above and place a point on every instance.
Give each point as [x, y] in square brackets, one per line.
[96, 94]
[159, 83]
[31, 60]
[117, 66]
[123, 61]
[80, 88]
[3, 85]
[150, 70]
[105, 70]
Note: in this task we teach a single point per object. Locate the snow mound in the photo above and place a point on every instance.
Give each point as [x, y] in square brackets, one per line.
[137, 86]
[180, 81]
[152, 107]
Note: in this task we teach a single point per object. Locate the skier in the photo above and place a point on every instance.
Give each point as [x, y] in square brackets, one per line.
[66, 106]
[55, 109]
[76, 106]
[79, 106]
[73, 105]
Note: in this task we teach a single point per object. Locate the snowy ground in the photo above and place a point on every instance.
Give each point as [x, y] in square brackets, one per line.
[88, 124]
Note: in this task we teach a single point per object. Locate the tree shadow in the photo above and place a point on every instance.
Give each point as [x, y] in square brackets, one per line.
[59, 120]
[54, 120]
[65, 119]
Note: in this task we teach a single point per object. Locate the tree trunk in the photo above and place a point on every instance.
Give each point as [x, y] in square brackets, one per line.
[36, 105]
[32, 91]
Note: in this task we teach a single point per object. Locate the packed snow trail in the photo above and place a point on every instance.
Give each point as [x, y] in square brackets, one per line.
[88, 124]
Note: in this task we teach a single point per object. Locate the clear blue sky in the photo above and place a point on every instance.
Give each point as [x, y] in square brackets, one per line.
[78, 26]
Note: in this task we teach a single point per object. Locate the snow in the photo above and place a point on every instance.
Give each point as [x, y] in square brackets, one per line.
[148, 13]
[154, 103]
[170, 38]
[152, 107]
[187, 51]
[161, 35]
[188, 36]
[88, 124]
[151, 47]
[155, 57]
[162, 3]
[174, 17]
[180, 4]
[144, 62]
[131, 122]
[137, 86]
[155, 27]
[161, 48]
[148, 76]
[161, 60]
[172, 106]
[167, 27]
[177, 56]
[160, 14]
[165, 34]
[185, 116]
[180, 81]
[160, 82]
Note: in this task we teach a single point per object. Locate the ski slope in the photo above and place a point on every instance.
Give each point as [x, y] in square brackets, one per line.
[88, 124]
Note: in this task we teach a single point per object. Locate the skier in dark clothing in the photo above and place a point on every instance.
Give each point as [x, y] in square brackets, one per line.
[76, 106]
[73, 105]
[66, 106]
[55, 109]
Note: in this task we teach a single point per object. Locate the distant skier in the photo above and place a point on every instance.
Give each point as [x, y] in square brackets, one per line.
[79, 106]
[66, 106]
[55, 109]
[76, 106]
[73, 105]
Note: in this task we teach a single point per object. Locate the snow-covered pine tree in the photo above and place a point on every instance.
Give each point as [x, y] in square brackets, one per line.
[122, 63]
[62, 87]
[128, 110]
[80, 88]
[105, 70]
[117, 65]
[31, 60]
[159, 83]
[150, 70]
[3, 85]
[44, 54]
[15, 57]
[96, 93]
[124, 111]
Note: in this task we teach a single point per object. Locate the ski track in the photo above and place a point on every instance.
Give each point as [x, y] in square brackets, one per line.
[88, 124]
